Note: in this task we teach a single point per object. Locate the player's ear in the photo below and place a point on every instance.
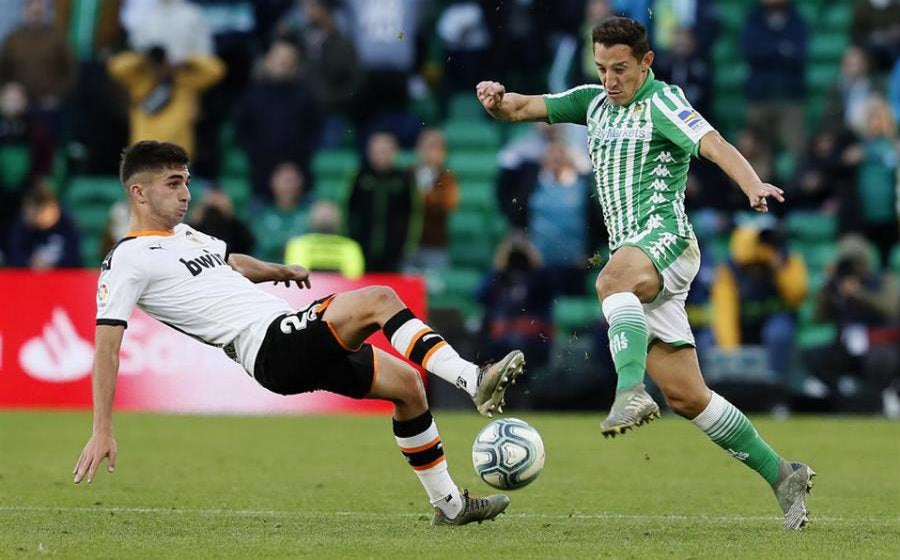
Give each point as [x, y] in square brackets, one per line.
[647, 60]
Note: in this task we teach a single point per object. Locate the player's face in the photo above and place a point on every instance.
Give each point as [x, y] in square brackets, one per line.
[621, 73]
[167, 195]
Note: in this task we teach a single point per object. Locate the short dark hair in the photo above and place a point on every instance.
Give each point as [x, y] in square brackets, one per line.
[616, 30]
[150, 155]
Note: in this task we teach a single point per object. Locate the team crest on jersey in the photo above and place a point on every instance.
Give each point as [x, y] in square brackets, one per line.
[638, 109]
[102, 295]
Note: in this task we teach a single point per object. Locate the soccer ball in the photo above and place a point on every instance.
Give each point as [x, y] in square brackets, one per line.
[508, 454]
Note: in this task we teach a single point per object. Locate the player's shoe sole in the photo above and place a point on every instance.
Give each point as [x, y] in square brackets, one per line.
[633, 407]
[494, 379]
[791, 493]
[474, 510]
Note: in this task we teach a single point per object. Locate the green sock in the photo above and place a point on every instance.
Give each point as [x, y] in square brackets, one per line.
[732, 431]
[627, 337]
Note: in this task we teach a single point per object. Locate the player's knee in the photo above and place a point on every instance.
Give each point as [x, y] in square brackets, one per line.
[687, 403]
[382, 296]
[618, 280]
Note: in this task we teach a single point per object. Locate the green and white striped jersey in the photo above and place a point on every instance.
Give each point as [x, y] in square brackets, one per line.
[640, 153]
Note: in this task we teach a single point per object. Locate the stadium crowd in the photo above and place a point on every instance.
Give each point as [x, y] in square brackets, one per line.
[345, 136]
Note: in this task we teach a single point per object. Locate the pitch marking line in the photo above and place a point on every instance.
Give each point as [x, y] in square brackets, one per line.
[212, 512]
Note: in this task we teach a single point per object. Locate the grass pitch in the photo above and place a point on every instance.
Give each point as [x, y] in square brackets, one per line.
[337, 487]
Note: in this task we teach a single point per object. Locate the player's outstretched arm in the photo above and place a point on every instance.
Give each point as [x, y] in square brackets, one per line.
[510, 107]
[718, 150]
[102, 445]
[258, 271]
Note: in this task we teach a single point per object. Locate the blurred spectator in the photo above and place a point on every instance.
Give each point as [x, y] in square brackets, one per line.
[756, 294]
[773, 41]
[164, 95]
[894, 91]
[386, 35]
[848, 98]
[517, 49]
[595, 12]
[876, 179]
[685, 67]
[37, 55]
[178, 26]
[278, 119]
[10, 16]
[438, 187]
[46, 236]
[754, 145]
[518, 308]
[117, 225]
[93, 28]
[333, 69]
[672, 17]
[384, 211]
[324, 249]
[558, 221]
[466, 39]
[865, 305]
[876, 25]
[520, 162]
[232, 26]
[822, 176]
[214, 215]
[286, 218]
[26, 151]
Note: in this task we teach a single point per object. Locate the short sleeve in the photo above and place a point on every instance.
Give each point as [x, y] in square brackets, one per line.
[122, 281]
[571, 106]
[677, 121]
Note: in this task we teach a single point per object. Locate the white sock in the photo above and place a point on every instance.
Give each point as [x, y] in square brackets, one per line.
[420, 344]
[425, 454]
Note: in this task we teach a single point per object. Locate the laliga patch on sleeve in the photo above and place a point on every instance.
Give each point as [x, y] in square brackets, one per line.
[692, 119]
[102, 295]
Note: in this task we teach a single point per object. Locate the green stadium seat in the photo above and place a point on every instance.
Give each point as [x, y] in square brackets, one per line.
[576, 314]
[475, 197]
[472, 135]
[811, 226]
[235, 163]
[472, 253]
[465, 106]
[820, 76]
[817, 255]
[93, 190]
[335, 163]
[894, 262]
[837, 17]
[239, 189]
[828, 47]
[15, 164]
[91, 219]
[732, 14]
[90, 251]
[730, 78]
[817, 334]
[479, 166]
[336, 189]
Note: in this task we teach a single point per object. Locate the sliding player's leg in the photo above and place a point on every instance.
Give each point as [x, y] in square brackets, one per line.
[677, 373]
[356, 315]
[417, 435]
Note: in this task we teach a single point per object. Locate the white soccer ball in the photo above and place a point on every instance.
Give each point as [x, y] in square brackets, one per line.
[508, 454]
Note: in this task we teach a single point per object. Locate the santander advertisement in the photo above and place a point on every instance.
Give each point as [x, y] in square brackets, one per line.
[46, 351]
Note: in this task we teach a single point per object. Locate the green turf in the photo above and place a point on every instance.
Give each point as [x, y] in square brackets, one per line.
[337, 487]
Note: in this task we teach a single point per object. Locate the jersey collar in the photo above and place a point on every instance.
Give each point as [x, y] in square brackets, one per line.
[642, 91]
[149, 232]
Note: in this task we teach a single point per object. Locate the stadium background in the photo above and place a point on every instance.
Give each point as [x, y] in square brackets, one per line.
[282, 90]
[277, 93]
